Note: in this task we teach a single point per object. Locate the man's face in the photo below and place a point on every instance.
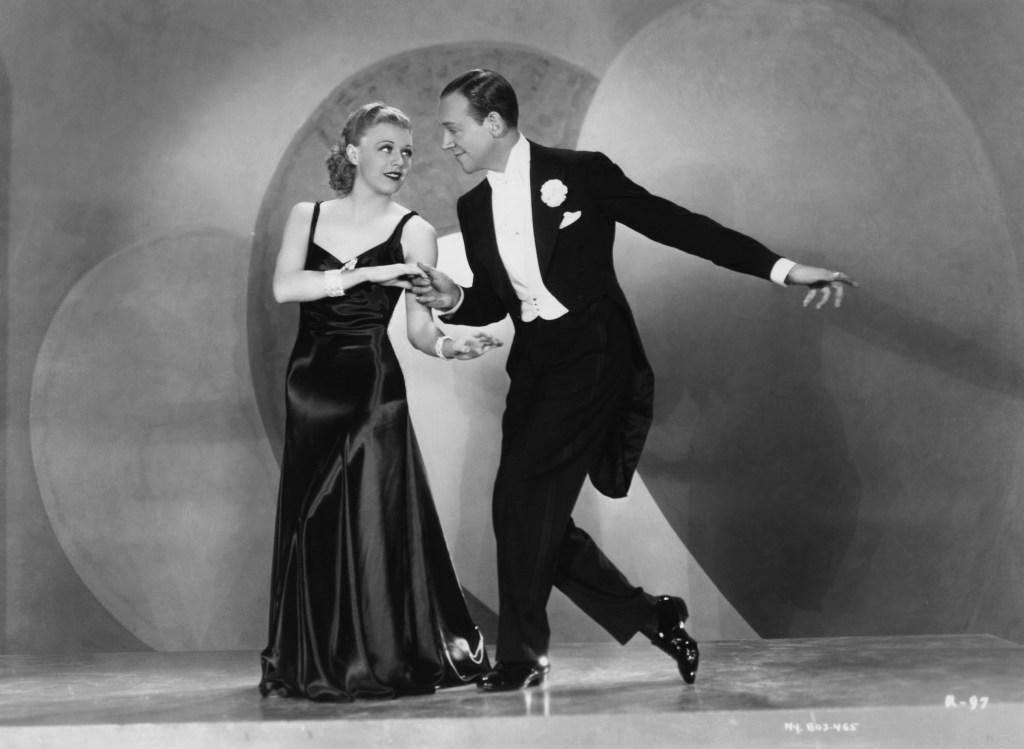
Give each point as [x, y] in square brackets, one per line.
[470, 142]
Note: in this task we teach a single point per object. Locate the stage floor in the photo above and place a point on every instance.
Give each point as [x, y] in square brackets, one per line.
[948, 691]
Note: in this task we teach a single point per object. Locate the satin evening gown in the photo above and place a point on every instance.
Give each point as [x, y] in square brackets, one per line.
[364, 599]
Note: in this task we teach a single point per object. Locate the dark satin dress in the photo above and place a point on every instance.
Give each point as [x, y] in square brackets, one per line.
[364, 599]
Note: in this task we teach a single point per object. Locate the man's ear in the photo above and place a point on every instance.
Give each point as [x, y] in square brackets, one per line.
[495, 124]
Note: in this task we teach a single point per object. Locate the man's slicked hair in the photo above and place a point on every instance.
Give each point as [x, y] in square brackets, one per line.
[486, 92]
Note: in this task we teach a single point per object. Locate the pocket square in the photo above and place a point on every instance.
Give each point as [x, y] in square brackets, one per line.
[569, 218]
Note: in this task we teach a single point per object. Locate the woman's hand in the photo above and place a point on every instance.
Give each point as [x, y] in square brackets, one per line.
[397, 274]
[473, 345]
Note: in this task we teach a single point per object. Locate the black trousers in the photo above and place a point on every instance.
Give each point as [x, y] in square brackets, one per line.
[568, 379]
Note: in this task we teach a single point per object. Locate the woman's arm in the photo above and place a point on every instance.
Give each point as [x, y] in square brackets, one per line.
[419, 241]
[293, 283]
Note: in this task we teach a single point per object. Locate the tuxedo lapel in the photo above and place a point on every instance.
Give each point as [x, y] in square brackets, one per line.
[480, 234]
[545, 218]
[482, 238]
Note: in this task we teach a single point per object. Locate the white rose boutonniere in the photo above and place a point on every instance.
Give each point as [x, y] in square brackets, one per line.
[553, 192]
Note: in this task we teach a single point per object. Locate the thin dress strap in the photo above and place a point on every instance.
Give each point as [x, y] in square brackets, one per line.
[401, 224]
[312, 223]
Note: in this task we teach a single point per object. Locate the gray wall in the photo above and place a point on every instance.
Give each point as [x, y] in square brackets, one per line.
[862, 463]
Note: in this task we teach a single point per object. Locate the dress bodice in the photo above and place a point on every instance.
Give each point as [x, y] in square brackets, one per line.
[364, 308]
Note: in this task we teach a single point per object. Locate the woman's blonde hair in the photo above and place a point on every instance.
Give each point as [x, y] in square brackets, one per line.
[341, 172]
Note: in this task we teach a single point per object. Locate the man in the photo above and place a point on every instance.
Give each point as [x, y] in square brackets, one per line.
[539, 233]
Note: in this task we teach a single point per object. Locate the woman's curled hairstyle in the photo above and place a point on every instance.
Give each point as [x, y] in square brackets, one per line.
[340, 171]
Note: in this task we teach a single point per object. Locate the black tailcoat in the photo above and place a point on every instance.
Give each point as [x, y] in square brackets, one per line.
[577, 267]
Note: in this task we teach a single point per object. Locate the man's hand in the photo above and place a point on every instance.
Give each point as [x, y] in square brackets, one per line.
[824, 284]
[434, 289]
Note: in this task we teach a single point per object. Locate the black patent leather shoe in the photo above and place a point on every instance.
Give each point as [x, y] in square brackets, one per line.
[672, 637]
[507, 676]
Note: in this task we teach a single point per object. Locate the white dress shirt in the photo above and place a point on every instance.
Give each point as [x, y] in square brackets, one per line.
[512, 207]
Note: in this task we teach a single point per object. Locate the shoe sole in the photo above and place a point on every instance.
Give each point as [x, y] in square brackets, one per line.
[535, 681]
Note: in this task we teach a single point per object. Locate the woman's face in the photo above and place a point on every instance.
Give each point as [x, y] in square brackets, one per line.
[384, 157]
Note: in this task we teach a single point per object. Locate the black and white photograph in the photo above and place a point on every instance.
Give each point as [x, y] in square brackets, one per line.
[527, 374]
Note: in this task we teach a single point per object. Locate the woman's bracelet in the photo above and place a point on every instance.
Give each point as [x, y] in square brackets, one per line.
[333, 285]
[439, 346]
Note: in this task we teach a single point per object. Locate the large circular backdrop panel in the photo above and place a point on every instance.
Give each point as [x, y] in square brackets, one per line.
[148, 448]
[814, 462]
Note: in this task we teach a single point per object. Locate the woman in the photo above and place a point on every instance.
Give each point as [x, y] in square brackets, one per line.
[364, 599]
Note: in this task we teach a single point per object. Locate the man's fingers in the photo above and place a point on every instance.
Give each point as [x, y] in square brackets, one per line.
[809, 297]
[431, 300]
[826, 294]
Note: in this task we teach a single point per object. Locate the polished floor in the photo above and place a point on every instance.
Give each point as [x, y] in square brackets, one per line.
[949, 691]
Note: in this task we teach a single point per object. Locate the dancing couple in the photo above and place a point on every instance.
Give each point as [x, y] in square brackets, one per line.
[364, 599]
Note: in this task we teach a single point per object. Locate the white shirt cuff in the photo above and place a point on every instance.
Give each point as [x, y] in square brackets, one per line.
[455, 308]
[780, 270]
